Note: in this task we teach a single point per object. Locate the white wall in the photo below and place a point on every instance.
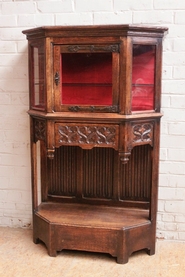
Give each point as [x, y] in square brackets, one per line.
[15, 16]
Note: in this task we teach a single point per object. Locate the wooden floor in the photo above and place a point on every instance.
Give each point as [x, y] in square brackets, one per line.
[20, 257]
[91, 215]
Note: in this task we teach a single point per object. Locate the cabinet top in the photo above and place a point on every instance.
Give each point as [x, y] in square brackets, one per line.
[96, 30]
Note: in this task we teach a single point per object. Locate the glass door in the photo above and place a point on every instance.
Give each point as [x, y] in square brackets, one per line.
[84, 78]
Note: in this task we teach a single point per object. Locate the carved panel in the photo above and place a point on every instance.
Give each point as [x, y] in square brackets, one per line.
[39, 129]
[142, 133]
[87, 136]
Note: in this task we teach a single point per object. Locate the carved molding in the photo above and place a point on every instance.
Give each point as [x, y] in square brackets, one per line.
[93, 48]
[110, 109]
[74, 48]
[39, 129]
[142, 132]
[124, 157]
[50, 153]
[87, 136]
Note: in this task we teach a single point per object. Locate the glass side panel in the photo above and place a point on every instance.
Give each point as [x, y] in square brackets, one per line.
[86, 78]
[143, 77]
[38, 78]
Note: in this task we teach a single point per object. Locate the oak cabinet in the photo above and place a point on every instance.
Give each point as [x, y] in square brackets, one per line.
[95, 108]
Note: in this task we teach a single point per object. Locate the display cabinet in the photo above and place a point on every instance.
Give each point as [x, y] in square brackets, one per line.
[95, 113]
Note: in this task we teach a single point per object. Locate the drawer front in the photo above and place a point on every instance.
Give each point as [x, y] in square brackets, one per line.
[87, 136]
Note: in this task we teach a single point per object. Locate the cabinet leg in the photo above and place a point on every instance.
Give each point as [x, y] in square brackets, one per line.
[122, 259]
[52, 252]
[36, 240]
[151, 251]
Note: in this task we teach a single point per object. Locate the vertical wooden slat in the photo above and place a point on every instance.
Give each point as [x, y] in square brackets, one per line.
[34, 175]
[125, 75]
[43, 173]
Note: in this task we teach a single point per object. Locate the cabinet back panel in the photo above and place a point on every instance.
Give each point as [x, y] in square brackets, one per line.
[90, 174]
[136, 175]
[98, 165]
[62, 172]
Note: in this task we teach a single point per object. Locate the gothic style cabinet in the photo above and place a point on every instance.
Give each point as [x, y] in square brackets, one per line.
[95, 109]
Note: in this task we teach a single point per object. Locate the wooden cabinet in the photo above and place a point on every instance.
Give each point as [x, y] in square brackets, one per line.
[95, 108]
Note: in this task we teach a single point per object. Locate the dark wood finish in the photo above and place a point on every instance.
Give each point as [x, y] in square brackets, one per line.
[101, 227]
[98, 163]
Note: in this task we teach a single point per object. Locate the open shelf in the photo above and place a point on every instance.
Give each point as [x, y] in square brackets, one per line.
[92, 215]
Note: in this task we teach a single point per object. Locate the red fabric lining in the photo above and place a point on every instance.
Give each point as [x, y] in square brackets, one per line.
[87, 79]
[90, 76]
[94, 95]
[142, 98]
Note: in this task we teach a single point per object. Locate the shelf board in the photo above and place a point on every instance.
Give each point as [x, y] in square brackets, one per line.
[96, 216]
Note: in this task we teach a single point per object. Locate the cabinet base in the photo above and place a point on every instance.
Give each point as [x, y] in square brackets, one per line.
[114, 230]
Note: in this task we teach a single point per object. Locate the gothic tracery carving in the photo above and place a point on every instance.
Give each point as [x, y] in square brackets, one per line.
[40, 129]
[142, 132]
[87, 135]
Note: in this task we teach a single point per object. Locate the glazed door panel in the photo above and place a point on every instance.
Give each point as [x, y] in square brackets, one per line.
[84, 78]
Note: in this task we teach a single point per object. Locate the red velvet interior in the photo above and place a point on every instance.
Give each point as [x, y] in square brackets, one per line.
[86, 78]
[143, 78]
